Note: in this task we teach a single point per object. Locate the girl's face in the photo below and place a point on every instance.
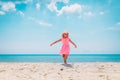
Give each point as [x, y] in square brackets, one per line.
[65, 35]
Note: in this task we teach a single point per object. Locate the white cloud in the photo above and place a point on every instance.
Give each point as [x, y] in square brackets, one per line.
[21, 13]
[37, 6]
[115, 27]
[118, 24]
[42, 23]
[2, 13]
[31, 18]
[75, 8]
[22, 1]
[80, 16]
[109, 2]
[89, 14]
[101, 13]
[8, 6]
[11, 6]
[64, 1]
[52, 6]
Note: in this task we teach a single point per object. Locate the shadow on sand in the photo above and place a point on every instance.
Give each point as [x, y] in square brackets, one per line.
[68, 65]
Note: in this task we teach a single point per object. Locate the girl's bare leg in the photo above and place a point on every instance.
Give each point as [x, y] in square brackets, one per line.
[65, 58]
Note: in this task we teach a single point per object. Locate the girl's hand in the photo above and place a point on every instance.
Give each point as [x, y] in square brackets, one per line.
[55, 42]
[51, 44]
[75, 46]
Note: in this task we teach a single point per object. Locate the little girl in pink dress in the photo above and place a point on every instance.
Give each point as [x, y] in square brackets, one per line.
[65, 49]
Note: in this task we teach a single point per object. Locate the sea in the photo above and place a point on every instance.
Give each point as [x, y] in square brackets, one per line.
[16, 57]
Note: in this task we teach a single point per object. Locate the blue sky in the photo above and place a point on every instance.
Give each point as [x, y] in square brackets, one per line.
[29, 26]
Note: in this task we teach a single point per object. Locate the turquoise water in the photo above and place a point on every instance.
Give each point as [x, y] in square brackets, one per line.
[58, 58]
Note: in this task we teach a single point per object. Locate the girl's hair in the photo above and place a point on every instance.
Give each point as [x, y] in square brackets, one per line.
[64, 34]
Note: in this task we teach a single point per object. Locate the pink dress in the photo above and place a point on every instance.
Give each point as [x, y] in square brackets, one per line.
[65, 49]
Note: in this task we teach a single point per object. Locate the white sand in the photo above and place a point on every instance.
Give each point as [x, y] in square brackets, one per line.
[58, 71]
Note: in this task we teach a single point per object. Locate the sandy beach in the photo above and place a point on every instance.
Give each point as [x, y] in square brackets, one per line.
[59, 71]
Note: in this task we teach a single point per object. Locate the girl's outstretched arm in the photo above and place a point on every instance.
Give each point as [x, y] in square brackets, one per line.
[73, 43]
[55, 42]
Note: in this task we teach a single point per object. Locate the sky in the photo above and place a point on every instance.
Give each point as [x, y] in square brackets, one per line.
[29, 26]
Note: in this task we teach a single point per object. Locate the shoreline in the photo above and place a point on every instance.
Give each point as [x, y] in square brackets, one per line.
[59, 54]
[58, 58]
[59, 71]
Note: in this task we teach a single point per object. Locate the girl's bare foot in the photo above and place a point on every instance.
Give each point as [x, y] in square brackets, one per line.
[65, 62]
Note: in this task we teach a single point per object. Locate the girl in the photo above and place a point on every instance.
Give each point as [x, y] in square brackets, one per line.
[65, 49]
